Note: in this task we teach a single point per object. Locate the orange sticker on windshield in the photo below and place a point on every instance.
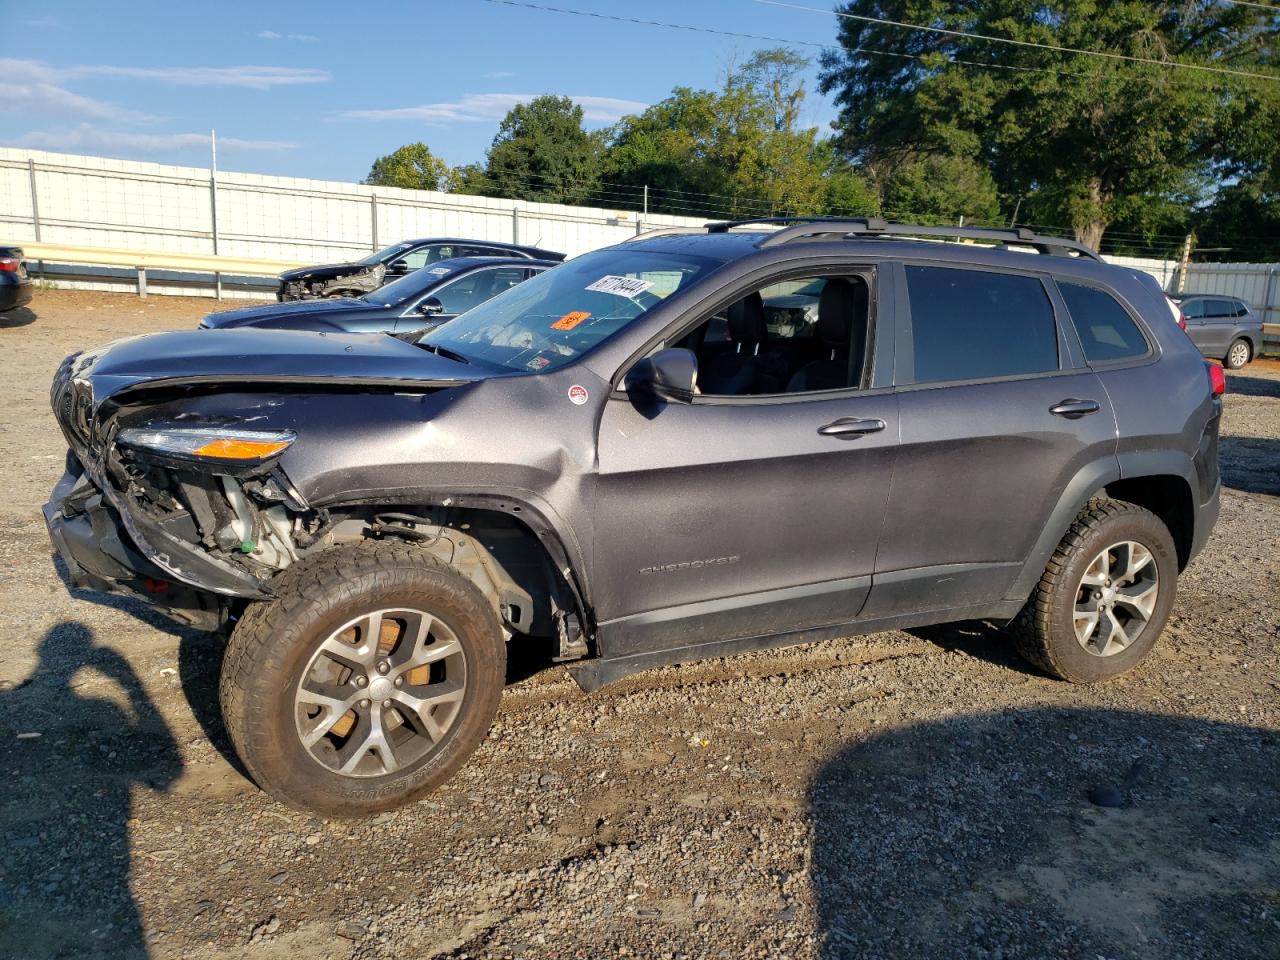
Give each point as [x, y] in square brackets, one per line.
[570, 320]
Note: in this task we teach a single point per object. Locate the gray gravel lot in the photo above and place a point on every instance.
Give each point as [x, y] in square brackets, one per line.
[900, 795]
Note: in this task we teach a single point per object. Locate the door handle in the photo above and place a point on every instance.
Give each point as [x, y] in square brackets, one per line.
[850, 428]
[1074, 409]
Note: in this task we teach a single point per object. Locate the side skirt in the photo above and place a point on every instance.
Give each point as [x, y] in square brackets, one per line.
[591, 675]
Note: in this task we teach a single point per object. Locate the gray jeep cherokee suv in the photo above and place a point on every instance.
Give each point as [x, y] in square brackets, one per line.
[682, 446]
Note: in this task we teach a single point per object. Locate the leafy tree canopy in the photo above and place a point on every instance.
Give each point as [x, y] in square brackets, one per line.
[412, 167]
[541, 153]
[1096, 139]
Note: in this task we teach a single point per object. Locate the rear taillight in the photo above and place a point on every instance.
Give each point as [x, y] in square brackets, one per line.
[1217, 379]
[1182, 320]
[9, 264]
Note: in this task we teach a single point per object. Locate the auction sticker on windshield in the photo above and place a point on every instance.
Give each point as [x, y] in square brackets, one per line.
[570, 320]
[621, 286]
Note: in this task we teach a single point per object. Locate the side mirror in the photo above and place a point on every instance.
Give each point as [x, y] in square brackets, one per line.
[397, 269]
[668, 374]
[431, 307]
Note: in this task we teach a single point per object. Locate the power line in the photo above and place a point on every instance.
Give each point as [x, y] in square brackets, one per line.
[755, 36]
[1151, 61]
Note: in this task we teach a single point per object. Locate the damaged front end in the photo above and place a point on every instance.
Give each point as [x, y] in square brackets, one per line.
[195, 520]
[177, 488]
[332, 282]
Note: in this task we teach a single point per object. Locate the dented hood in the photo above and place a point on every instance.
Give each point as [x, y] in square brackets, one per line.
[252, 355]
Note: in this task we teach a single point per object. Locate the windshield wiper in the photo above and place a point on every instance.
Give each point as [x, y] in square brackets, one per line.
[445, 352]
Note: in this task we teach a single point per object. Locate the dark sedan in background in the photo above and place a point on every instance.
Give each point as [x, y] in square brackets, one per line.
[1224, 328]
[423, 298]
[16, 287]
[398, 260]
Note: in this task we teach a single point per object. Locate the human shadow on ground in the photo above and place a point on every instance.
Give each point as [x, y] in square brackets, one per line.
[78, 737]
[199, 660]
[989, 836]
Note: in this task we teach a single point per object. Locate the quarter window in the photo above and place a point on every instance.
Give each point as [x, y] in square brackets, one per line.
[1107, 332]
[973, 325]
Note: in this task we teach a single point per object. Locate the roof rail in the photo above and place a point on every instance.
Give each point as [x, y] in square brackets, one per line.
[663, 232]
[724, 226]
[874, 227]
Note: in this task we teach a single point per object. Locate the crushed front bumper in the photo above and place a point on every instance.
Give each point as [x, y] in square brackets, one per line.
[101, 552]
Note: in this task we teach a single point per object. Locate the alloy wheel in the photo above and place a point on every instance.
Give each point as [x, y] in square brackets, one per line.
[381, 692]
[1116, 598]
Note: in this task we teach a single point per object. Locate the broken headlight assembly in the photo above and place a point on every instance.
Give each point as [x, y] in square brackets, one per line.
[210, 443]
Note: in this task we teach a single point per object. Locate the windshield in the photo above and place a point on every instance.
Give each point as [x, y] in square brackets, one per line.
[545, 322]
[383, 254]
[410, 285]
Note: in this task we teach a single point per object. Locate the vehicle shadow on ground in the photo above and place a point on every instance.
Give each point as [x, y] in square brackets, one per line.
[1249, 463]
[68, 798]
[978, 639]
[1248, 386]
[975, 836]
[16, 318]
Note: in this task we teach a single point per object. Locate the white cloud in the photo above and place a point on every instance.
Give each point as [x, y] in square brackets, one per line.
[257, 78]
[37, 73]
[296, 37]
[87, 137]
[479, 107]
[31, 85]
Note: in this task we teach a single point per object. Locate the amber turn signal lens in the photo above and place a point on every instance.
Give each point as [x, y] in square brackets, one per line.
[234, 448]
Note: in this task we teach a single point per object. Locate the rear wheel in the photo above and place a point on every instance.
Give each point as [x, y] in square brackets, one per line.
[1239, 354]
[1104, 596]
[367, 681]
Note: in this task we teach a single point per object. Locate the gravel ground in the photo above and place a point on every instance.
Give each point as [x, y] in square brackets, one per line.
[898, 795]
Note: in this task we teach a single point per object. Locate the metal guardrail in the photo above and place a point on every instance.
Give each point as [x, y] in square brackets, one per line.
[143, 260]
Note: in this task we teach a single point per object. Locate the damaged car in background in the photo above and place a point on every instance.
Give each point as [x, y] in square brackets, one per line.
[363, 276]
[424, 298]
[680, 447]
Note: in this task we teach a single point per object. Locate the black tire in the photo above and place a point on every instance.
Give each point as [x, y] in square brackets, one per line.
[1044, 631]
[1237, 363]
[274, 643]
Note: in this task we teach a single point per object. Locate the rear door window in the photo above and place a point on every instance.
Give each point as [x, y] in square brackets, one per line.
[1106, 330]
[1220, 309]
[975, 325]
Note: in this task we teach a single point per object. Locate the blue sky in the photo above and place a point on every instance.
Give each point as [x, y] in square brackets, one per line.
[320, 89]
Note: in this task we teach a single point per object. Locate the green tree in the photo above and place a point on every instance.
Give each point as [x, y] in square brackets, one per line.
[1098, 137]
[736, 151]
[541, 153]
[469, 179]
[412, 167]
[941, 188]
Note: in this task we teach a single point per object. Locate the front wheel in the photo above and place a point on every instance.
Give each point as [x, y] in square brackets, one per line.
[1104, 596]
[366, 682]
[1238, 355]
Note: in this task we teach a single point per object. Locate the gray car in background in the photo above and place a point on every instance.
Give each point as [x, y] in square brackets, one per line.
[684, 446]
[1224, 328]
